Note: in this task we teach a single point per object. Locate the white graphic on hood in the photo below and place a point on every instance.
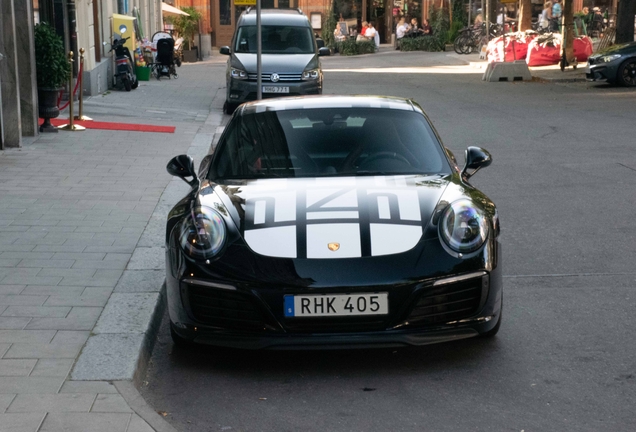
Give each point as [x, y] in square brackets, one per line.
[302, 222]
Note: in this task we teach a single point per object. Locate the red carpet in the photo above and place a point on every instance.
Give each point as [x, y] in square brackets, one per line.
[116, 126]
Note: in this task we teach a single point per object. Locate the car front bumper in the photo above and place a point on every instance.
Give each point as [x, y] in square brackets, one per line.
[240, 91]
[601, 72]
[273, 331]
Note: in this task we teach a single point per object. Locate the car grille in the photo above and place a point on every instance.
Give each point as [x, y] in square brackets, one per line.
[449, 302]
[226, 309]
[284, 77]
[335, 325]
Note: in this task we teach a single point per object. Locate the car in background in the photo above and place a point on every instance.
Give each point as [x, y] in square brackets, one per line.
[290, 64]
[332, 222]
[616, 65]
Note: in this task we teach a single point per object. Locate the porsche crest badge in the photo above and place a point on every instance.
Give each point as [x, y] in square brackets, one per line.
[333, 246]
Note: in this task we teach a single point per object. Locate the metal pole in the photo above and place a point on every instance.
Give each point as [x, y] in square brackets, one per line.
[487, 20]
[70, 126]
[80, 115]
[259, 53]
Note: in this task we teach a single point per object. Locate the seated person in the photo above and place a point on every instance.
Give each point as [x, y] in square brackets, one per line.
[362, 36]
[427, 30]
[337, 35]
[370, 32]
[400, 31]
[413, 29]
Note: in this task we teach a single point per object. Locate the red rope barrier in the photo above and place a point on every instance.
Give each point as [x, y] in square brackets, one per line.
[79, 80]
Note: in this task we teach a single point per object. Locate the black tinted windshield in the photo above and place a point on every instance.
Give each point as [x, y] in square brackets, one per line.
[276, 40]
[328, 142]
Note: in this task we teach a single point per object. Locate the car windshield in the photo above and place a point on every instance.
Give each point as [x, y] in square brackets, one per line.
[275, 40]
[328, 142]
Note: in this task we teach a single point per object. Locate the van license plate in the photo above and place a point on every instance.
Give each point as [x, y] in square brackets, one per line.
[336, 305]
[275, 89]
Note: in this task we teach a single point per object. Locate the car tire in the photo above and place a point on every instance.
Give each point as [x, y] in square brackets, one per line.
[493, 331]
[179, 341]
[627, 73]
[228, 108]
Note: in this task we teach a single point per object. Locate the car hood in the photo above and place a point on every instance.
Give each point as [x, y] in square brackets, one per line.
[330, 218]
[627, 48]
[270, 63]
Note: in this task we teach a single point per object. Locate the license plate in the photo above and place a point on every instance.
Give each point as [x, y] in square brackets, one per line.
[275, 89]
[336, 305]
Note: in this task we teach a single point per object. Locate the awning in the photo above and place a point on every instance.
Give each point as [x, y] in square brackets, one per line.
[171, 10]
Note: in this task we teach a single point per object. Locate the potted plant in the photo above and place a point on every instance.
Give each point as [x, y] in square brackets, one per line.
[52, 68]
[187, 26]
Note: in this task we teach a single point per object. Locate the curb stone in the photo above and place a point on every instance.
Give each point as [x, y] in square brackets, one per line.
[121, 343]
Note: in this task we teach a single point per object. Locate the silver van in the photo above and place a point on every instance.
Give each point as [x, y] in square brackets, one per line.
[289, 62]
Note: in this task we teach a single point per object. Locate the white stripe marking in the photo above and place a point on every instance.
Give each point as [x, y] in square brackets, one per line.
[383, 207]
[259, 212]
[333, 215]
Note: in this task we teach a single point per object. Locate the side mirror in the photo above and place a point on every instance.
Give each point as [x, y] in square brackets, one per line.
[225, 50]
[476, 158]
[324, 51]
[182, 166]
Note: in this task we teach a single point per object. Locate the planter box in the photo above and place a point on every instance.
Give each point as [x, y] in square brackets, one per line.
[191, 56]
[143, 73]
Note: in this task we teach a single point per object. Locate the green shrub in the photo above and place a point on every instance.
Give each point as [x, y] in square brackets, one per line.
[187, 26]
[422, 43]
[455, 27]
[51, 64]
[328, 28]
[351, 47]
[440, 24]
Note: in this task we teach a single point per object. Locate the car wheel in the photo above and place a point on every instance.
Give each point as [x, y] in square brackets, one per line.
[228, 108]
[492, 332]
[627, 73]
[180, 342]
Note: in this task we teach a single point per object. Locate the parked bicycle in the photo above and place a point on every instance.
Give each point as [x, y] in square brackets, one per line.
[471, 38]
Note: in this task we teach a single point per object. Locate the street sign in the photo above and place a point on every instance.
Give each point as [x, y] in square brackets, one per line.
[245, 2]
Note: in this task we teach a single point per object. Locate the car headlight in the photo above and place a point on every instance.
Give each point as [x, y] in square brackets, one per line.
[463, 227]
[238, 74]
[609, 58]
[202, 233]
[311, 74]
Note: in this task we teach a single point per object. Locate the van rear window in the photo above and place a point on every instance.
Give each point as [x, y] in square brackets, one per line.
[276, 40]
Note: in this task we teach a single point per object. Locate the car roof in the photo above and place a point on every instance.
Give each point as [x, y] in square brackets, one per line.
[330, 101]
[292, 17]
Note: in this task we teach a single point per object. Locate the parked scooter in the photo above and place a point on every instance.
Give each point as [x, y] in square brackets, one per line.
[125, 71]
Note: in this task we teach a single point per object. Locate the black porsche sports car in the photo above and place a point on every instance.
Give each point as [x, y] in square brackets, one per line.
[332, 222]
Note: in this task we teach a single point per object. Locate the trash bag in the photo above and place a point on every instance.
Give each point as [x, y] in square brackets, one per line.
[583, 48]
[544, 51]
[516, 47]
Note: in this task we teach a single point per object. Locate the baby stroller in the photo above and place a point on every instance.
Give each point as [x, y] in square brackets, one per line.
[164, 64]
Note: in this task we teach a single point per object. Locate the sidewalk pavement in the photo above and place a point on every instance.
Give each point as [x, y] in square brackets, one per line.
[81, 256]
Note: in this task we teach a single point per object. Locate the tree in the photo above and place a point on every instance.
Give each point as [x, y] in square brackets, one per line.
[187, 26]
[625, 21]
[568, 32]
[525, 15]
